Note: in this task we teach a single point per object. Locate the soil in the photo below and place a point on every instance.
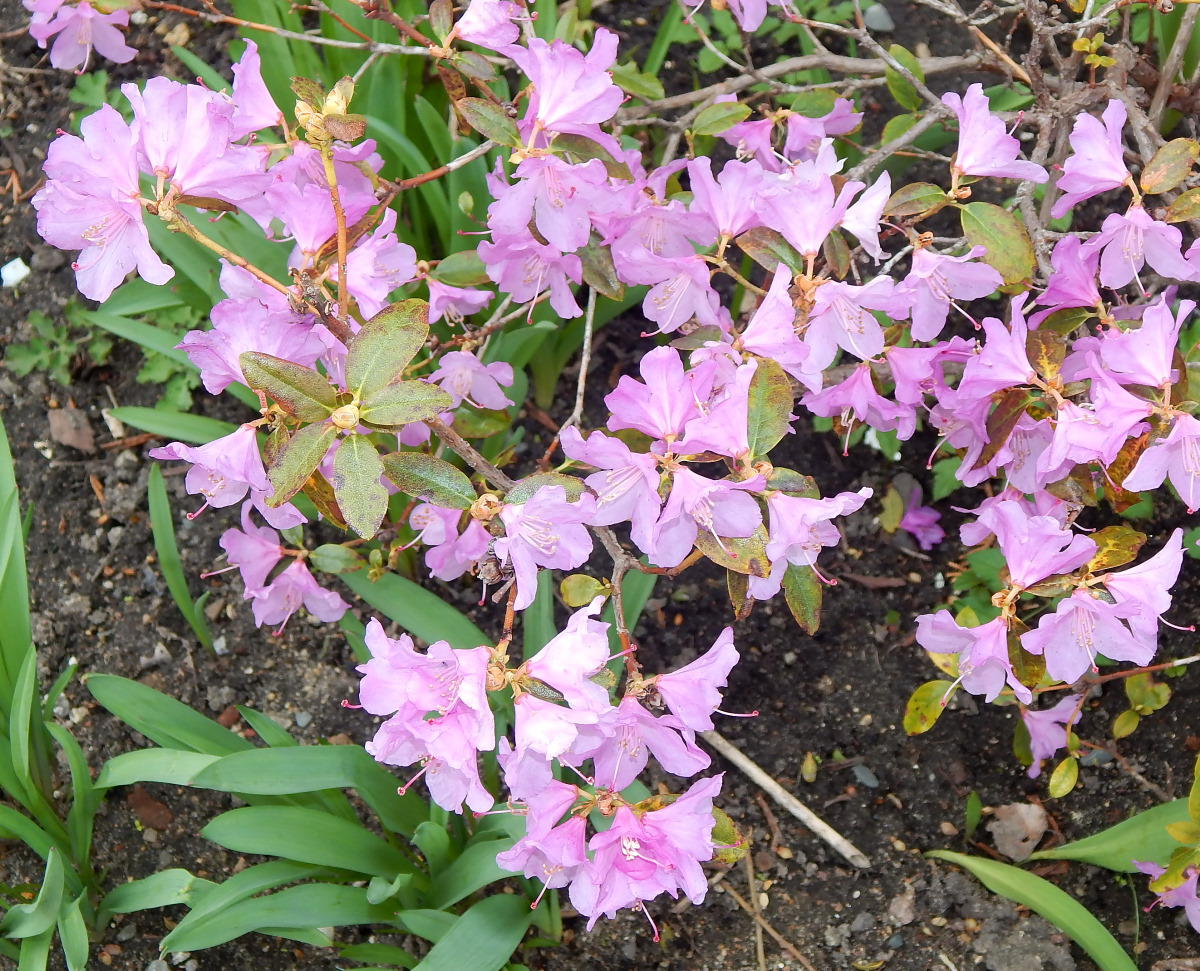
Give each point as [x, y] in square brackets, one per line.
[98, 597]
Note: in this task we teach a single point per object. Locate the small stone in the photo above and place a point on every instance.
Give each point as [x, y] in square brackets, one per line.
[895, 942]
[14, 272]
[158, 964]
[948, 828]
[219, 647]
[865, 776]
[179, 957]
[128, 930]
[165, 858]
[877, 18]
[219, 697]
[862, 923]
[79, 714]
[150, 835]
[902, 909]
[192, 965]
[47, 259]
[303, 719]
[160, 656]
[229, 717]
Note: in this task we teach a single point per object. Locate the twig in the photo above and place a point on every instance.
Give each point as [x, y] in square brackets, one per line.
[880, 155]
[1018, 72]
[772, 822]
[789, 802]
[467, 452]
[585, 361]
[1166, 78]
[441, 170]
[752, 892]
[761, 921]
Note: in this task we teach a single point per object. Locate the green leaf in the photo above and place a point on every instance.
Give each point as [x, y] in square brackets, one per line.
[166, 765]
[526, 488]
[298, 390]
[1009, 250]
[163, 720]
[381, 350]
[462, 269]
[209, 898]
[1170, 165]
[297, 459]
[20, 724]
[421, 613]
[915, 199]
[742, 554]
[429, 478]
[30, 920]
[1125, 724]
[288, 770]
[1141, 837]
[925, 706]
[163, 529]
[768, 249]
[73, 934]
[1194, 800]
[402, 402]
[972, 815]
[482, 939]
[803, 592]
[770, 407]
[474, 869]
[35, 951]
[336, 558]
[900, 87]
[1060, 909]
[306, 836]
[175, 425]
[632, 81]
[599, 271]
[579, 590]
[308, 906]
[356, 476]
[489, 120]
[720, 117]
[379, 955]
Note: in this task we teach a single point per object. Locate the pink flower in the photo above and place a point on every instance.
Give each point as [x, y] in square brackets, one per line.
[1034, 546]
[1145, 355]
[558, 198]
[1082, 627]
[488, 23]
[1046, 734]
[222, 471]
[378, 265]
[922, 523]
[451, 559]
[771, 332]
[546, 531]
[723, 428]
[465, 378]
[1002, 362]
[569, 660]
[629, 734]
[680, 289]
[983, 664]
[691, 692]
[984, 147]
[90, 203]
[570, 90]
[858, 396]
[717, 506]
[626, 489]
[253, 107]
[1127, 242]
[666, 398]
[1173, 457]
[937, 279]
[283, 596]
[1183, 895]
[722, 201]
[841, 317]
[1098, 163]
[454, 303]
[523, 267]
[1143, 592]
[254, 550]
[80, 28]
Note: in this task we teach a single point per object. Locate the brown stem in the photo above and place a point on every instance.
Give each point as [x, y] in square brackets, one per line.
[335, 196]
[461, 447]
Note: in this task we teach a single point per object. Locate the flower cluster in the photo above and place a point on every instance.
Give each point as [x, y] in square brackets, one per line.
[437, 713]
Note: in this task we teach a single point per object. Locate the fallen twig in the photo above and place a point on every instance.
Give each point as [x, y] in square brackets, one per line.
[789, 802]
[762, 922]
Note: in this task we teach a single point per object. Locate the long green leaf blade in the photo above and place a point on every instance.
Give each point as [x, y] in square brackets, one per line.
[1143, 837]
[1063, 911]
[482, 939]
[168, 554]
[421, 613]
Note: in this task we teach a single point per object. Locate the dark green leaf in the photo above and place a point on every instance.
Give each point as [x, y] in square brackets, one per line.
[1009, 250]
[632, 81]
[914, 199]
[356, 476]
[402, 402]
[482, 939]
[720, 117]
[421, 613]
[298, 390]
[768, 249]
[1060, 909]
[298, 458]
[599, 272]
[429, 478]
[770, 407]
[306, 836]
[462, 269]
[380, 351]
[901, 88]
[526, 488]
[336, 558]
[175, 425]
[490, 121]
[803, 592]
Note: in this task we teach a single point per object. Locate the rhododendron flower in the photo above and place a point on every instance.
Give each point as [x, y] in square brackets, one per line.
[722, 201]
[984, 147]
[488, 23]
[922, 522]
[717, 506]
[626, 489]
[254, 550]
[841, 317]
[546, 531]
[80, 27]
[570, 90]
[936, 279]
[680, 289]
[523, 268]
[451, 559]
[465, 378]
[1034, 546]
[629, 734]
[568, 660]
[90, 203]
[644, 854]
[983, 663]
[1048, 730]
[692, 692]
[858, 396]
[804, 134]
[1172, 457]
[1082, 627]
[222, 471]
[1145, 355]
[771, 333]
[378, 265]
[1183, 895]
[454, 303]
[1144, 591]
[1001, 362]
[1127, 242]
[723, 429]
[666, 398]
[283, 596]
[557, 197]
[1073, 280]
[1098, 162]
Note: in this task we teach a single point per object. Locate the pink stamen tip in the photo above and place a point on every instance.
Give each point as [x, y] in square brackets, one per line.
[346, 704]
[193, 515]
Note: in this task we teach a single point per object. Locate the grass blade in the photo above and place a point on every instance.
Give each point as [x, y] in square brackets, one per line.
[168, 555]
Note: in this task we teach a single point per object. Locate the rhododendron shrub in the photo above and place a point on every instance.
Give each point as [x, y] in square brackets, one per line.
[1070, 395]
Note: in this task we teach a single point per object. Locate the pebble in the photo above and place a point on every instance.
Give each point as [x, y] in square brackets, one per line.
[303, 719]
[219, 647]
[47, 258]
[861, 923]
[877, 18]
[866, 776]
[895, 942]
[158, 964]
[165, 859]
[128, 930]
[14, 272]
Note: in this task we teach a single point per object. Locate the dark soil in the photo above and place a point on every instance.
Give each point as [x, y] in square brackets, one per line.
[97, 597]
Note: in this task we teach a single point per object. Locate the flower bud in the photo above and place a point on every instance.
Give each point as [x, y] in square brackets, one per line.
[345, 416]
